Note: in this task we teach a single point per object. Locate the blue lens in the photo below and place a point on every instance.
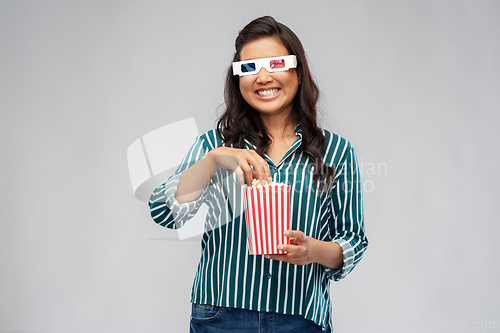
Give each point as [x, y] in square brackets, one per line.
[247, 68]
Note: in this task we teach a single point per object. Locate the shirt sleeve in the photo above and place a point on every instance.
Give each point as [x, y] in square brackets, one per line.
[347, 218]
[164, 208]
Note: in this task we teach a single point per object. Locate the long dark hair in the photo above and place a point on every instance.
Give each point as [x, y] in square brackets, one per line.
[240, 119]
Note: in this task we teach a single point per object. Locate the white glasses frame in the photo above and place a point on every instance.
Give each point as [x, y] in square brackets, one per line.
[290, 62]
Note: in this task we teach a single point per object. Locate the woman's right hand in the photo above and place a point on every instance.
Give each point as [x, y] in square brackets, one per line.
[247, 164]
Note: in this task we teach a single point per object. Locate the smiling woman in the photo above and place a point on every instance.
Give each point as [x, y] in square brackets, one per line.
[268, 131]
[270, 93]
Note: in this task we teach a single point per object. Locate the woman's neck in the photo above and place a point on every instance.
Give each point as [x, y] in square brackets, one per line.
[278, 126]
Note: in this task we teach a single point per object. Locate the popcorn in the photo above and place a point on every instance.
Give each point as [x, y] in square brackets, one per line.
[267, 212]
[258, 182]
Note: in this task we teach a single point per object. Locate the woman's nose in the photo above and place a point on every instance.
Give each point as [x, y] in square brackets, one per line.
[263, 76]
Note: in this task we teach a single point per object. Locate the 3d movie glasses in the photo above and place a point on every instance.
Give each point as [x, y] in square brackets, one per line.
[274, 64]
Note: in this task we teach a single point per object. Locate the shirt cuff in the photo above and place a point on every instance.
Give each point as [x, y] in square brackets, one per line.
[348, 256]
[182, 212]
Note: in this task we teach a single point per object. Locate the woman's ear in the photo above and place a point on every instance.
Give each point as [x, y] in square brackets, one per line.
[300, 79]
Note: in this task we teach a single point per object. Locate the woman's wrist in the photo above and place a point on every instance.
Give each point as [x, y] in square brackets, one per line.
[328, 254]
[211, 158]
[195, 179]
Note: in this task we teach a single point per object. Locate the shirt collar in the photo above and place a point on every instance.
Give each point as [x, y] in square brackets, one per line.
[298, 130]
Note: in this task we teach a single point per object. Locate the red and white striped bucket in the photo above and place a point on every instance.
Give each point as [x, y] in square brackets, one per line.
[267, 212]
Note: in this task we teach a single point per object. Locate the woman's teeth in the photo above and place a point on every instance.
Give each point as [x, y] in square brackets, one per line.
[267, 93]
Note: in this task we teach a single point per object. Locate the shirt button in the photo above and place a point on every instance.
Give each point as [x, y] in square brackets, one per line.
[269, 275]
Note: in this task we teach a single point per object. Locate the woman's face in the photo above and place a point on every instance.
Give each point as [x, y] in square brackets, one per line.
[268, 93]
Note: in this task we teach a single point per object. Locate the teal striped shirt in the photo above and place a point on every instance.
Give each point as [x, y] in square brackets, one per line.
[227, 276]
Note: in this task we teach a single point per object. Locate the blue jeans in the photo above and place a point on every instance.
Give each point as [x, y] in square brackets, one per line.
[214, 319]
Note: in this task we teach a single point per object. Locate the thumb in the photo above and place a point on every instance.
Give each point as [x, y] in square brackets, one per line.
[241, 176]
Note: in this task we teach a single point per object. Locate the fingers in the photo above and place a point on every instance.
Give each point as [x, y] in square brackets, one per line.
[296, 234]
[292, 248]
[297, 250]
[281, 257]
[248, 172]
[260, 166]
[246, 163]
[253, 166]
[241, 176]
[291, 258]
[298, 242]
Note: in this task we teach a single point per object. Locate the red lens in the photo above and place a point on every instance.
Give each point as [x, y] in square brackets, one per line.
[277, 63]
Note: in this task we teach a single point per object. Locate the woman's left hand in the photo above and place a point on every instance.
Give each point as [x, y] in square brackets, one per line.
[300, 250]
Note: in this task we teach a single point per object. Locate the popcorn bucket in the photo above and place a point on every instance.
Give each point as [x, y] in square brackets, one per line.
[267, 212]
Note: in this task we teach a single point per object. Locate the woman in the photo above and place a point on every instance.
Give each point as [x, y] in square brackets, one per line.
[268, 131]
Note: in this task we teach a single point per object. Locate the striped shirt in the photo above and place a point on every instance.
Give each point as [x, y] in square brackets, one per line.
[227, 276]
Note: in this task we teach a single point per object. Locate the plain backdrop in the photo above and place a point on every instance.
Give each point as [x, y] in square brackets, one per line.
[414, 85]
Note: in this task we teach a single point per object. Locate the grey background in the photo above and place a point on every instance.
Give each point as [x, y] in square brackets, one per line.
[412, 84]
